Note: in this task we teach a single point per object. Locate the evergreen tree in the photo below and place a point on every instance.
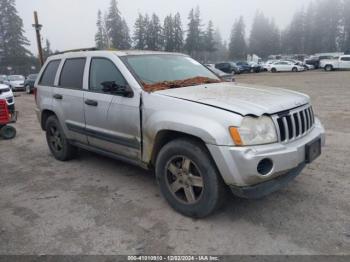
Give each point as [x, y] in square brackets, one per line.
[154, 39]
[13, 43]
[140, 33]
[295, 34]
[169, 34]
[178, 33]
[101, 36]
[47, 49]
[238, 46]
[209, 42]
[194, 38]
[309, 29]
[220, 54]
[117, 29]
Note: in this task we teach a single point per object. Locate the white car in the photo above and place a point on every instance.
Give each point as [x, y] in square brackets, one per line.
[285, 66]
[343, 62]
[15, 82]
[267, 64]
[6, 94]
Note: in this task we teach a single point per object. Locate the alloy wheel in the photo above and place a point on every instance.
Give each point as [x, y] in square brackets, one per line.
[55, 139]
[184, 180]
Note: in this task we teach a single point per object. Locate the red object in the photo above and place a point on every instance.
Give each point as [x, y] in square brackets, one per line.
[4, 113]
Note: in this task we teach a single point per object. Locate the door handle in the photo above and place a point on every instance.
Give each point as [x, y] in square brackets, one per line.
[58, 97]
[91, 102]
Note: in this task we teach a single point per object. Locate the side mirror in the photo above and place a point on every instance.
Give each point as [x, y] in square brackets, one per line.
[112, 88]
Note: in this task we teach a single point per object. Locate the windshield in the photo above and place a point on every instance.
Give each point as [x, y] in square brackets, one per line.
[159, 72]
[16, 78]
[3, 78]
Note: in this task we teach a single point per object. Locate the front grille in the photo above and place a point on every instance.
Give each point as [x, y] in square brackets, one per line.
[295, 123]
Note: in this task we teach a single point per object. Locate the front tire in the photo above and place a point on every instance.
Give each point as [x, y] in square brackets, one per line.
[274, 70]
[8, 132]
[328, 68]
[295, 69]
[188, 179]
[59, 145]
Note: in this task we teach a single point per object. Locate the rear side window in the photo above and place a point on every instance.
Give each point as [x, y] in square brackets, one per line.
[49, 75]
[72, 73]
[102, 71]
[345, 58]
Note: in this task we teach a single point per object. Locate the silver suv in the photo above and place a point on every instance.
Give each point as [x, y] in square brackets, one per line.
[169, 113]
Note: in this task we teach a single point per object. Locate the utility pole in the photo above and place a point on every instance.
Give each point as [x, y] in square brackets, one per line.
[38, 27]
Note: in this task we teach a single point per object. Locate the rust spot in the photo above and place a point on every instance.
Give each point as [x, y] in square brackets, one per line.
[179, 83]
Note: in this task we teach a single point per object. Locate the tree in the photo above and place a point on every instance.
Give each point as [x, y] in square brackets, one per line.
[220, 54]
[169, 35]
[295, 34]
[101, 38]
[47, 49]
[238, 46]
[154, 39]
[140, 33]
[178, 33]
[13, 43]
[117, 28]
[194, 43]
[345, 46]
[264, 37]
[209, 42]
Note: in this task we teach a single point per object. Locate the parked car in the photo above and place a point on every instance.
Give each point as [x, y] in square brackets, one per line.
[224, 76]
[29, 83]
[228, 67]
[168, 113]
[308, 67]
[255, 67]
[244, 67]
[285, 66]
[266, 65]
[3, 79]
[6, 94]
[312, 61]
[342, 63]
[16, 82]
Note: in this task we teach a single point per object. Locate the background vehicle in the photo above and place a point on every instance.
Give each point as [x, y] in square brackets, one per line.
[224, 76]
[16, 82]
[312, 61]
[244, 67]
[342, 63]
[167, 112]
[3, 79]
[6, 94]
[265, 65]
[29, 83]
[255, 67]
[285, 66]
[228, 67]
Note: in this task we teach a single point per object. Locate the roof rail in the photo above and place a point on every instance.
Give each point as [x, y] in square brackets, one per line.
[78, 50]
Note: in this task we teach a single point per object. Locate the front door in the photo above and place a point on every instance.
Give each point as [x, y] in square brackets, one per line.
[112, 121]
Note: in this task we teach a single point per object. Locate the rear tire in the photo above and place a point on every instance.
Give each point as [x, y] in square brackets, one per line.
[8, 132]
[59, 145]
[188, 179]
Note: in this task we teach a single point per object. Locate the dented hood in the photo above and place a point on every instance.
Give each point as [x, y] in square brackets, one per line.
[240, 98]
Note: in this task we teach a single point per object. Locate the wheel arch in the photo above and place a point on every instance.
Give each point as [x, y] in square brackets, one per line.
[44, 116]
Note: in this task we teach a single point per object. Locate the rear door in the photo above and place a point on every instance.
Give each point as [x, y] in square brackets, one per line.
[112, 121]
[68, 98]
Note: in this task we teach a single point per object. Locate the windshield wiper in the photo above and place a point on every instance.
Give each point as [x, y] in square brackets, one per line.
[193, 81]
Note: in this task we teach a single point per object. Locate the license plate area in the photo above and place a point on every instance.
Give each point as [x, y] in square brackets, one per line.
[313, 151]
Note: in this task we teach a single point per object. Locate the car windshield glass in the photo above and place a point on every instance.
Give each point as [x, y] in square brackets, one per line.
[16, 78]
[159, 72]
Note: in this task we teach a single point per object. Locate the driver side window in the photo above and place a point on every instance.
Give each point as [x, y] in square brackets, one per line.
[102, 71]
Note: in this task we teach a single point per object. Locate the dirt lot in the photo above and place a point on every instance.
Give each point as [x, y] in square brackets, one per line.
[95, 205]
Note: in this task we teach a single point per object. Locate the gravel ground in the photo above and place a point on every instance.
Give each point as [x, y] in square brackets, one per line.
[96, 205]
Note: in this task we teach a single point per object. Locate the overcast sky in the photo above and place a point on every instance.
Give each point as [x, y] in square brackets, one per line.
[70, 24]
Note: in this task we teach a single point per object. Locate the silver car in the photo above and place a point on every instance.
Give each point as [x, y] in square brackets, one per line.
[167, 112]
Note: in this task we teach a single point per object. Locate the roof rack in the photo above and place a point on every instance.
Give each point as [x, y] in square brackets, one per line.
[79, 50]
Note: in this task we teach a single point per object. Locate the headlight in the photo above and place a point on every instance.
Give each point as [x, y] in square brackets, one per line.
[254, 131]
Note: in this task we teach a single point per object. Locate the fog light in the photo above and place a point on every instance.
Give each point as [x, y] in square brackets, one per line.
[265, 167]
